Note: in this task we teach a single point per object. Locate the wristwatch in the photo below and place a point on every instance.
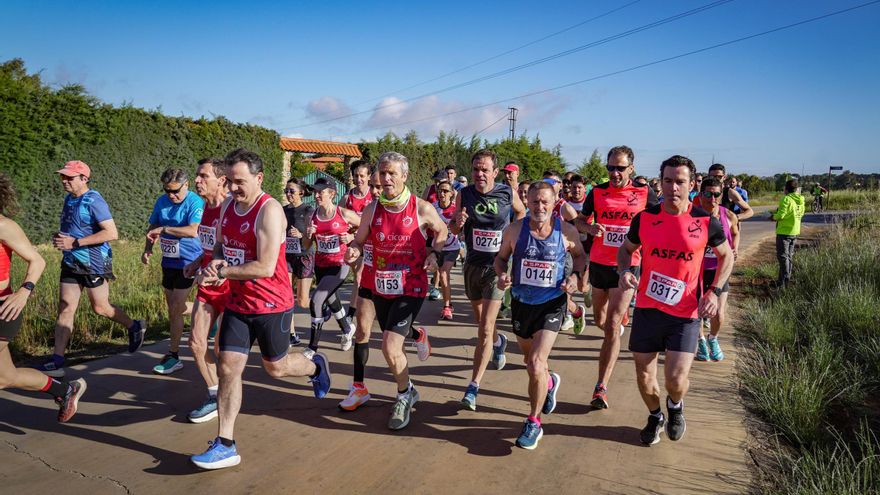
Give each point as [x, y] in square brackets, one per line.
[621, 272]
[220, 272]
[29, 286]
[715, 290]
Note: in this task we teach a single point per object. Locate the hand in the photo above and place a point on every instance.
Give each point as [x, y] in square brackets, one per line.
[12, 306]
[213, 267]
[145, 258]
[153, 235]
[708, 306]
[352, 254]
[62, 241]
[293, 232]
[431, 262]
[735, 254]
[189, 271]
[596, 230]
[571, 284]
[504, 281]
[310, 232]
[462, 218]
[628, 281]
[346, 238]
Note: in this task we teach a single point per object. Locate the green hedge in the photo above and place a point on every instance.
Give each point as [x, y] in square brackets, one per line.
[127, 149]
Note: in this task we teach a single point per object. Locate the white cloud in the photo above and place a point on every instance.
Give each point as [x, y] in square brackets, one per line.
[296, 135]
[327, 107]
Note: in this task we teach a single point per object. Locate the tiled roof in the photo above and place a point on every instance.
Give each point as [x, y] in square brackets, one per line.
[315, 146]
[323, 159]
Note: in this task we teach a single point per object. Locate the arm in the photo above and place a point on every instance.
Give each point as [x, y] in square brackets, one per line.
[352, 219]
[360, 237]
[747, 211]
[15, 238]
[578, 256]
[508, 242]
[191, 230]
[784, 209]
[568, 213]
[458, 221]
[431, 221]
[628, 279]
[708, 306]
[734, 231]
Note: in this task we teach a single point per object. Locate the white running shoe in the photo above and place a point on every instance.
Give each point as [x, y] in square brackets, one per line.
[346, 339]
[423, 346]
[358, 395]
[568, 322]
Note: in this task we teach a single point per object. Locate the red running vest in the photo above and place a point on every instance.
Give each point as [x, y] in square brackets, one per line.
[672, 263]
[261, 295]
[398, 253]
[329, 249]
[614, 207]
[356, 204]
[207, 237]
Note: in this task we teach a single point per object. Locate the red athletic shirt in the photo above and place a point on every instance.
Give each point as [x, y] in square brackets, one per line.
[399, 253]
[672, 263]
[207, 237]
[557, 208]
[329, 247]
[261, 295]
[5, 263]
[432, 194]
[615, 207]
[357, 204]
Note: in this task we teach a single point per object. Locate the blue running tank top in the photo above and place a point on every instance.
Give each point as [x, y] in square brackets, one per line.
[538, 265]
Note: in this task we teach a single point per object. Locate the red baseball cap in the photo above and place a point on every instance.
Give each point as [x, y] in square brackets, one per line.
[511, 167]
[74, 168]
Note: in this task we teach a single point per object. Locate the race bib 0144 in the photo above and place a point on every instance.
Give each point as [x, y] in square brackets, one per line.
[537, 273]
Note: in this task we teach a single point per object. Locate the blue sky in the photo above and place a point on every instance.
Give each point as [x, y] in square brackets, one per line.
[805, 97]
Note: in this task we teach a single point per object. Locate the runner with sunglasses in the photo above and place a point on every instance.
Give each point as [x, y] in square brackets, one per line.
[300, 261]
[445, 207]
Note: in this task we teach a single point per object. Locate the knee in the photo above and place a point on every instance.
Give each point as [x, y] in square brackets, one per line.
[676, 382]
[105, 310]
[536, 366]
[273, 370]
[7, 378]
[198, 346]
[66, 309]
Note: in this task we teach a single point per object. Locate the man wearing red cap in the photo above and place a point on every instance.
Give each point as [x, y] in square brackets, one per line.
[86, 262]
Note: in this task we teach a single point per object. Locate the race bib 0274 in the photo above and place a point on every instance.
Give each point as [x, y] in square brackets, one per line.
[487, 241]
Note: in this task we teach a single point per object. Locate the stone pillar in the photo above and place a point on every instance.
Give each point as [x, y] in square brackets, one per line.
[285, 174]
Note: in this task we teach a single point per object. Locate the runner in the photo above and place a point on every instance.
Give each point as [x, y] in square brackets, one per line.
[539, 247]
[329, 230]
[731, 198]
[356, 200]
[614, 205]
[430, 193]
[523, 192]
[711, 192]
[673, 237]
[482, 212]
[174, 223]
[86, 261]
[12, 303]
[575, 316]
[397, 230]
[578, 189]
[445, 207]
[300, 261]
[696, 190]
[451, 172]
[250, 252]
[210, 300]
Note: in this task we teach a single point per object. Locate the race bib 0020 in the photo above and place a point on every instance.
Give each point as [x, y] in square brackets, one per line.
[665, 289]
[487, 241]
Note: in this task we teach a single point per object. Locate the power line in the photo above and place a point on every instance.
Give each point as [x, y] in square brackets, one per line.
[490, 125]
[629, 69]
[509, 70]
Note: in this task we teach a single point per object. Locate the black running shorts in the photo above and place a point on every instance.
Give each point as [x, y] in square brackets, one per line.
[271, 330]
[397, 314]
[529, 319]
[603, 276]
[9, 329]
[655, 331]
[172, 278]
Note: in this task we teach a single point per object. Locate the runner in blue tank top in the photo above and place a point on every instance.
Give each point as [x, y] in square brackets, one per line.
[539, 245]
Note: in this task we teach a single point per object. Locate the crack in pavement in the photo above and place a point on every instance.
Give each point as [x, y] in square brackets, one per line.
[118, 483]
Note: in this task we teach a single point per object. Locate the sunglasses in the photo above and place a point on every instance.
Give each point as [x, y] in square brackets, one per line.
[618, 168]
[290, 191]
[446, 191]
[707, 194]
[173, 191]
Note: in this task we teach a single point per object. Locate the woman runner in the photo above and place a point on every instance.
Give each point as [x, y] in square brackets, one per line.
[300, 261]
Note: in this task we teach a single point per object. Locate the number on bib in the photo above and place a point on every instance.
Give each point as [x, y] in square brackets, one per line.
[664, 289]
[206, 237]
[368, 254]
[170, 247]
[537, 273]
[487, 241]
[233, 256]
[328, 243]
[293, 246]
[389, 283]
[614, 235]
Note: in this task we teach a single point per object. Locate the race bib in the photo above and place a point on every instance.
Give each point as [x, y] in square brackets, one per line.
[170, 247]
[328, 243]
[537, 273]
[614, 235]
[233, 256]
[368, 254]
[292, 245]
[487, 241]
[710, 253]
[666, 290]
[389, 283]
[206, 237]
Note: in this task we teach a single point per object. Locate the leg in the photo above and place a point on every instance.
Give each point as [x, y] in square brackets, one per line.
[295, 364]
[203, 318]
[304, 286]
[646, 376]
[392, 349]
[100, 298]
[600, 306]
[486, 334]
[444, 283]
[229, 394]
[68, 300]
[539, 372]
[677, 369]
[176, 301]
[20, 378]
[617, 307]
[781, 257]
[718, 321]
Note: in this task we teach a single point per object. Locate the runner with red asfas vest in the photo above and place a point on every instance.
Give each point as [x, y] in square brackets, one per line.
[673, 237]
[613, 204]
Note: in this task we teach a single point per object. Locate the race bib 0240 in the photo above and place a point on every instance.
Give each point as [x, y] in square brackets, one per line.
[614, 235]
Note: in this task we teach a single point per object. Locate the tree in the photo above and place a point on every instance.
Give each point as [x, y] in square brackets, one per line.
[592, 168]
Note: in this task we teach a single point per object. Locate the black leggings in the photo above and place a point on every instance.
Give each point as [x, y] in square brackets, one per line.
[330, 279]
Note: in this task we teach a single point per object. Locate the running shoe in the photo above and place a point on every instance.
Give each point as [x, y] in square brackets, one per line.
[446, 313]
[346, 338]
[580, 321]
[294, 339]
[470, 397]
[321, 383]
[402, 408]
[309, 353]
[706, 323]
[651, 433]
[530, 436]
[51, 368]
[423, 346]
[70, 401]
[600, 397]
[550, 401]
[136, 335]
[622, 329]
[676, 425]
[588, 297]
[715, 352]
[567, 323]
[218, 456]
[169, 364]
[433, 294]
[498, 357]
[702, 350]
[204, 413]
[214, 328]
[358, 395]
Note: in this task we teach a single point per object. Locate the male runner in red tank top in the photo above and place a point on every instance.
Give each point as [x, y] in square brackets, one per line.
[673, 236]
[250, 252]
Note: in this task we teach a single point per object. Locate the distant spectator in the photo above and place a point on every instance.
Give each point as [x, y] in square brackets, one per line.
[450, 176]
[698, 180]
[733, 183]
[788, 227]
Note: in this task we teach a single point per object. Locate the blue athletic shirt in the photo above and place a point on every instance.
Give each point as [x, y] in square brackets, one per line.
[80, 218]
[177, 252]
[538, 265]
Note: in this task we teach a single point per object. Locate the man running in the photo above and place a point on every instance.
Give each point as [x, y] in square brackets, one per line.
[539, 247]
[12, 303]
[250, 252]
[614, 205]
[398, 229]
[451, 172]
[673, 237]
[210, 300]
[482, 213]
[86, 262]
[357, 200]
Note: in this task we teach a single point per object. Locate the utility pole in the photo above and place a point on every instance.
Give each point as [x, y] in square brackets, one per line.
[512, 120]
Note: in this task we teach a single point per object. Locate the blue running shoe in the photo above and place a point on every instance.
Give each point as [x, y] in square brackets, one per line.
[294, 339]
[550, 401]
[54, 367]
[530, 436]
[470, 397]
[214, 328]
[702, 351]
[218, 456]
[206, 412]
[715, 352]
[498, 357]
[321, 383]
[136, 335]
